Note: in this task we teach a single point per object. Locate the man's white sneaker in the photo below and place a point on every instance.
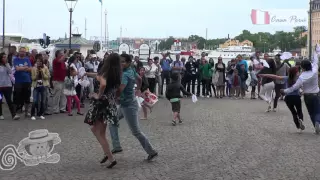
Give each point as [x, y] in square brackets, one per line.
[274, 110]
[42, 117]
[1, 118]
[33, 118]
[16, 117]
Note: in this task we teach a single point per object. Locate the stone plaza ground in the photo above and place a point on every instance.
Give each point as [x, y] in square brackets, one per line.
[219, 139]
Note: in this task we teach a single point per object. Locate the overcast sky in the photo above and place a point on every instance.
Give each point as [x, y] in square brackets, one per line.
[142, 18]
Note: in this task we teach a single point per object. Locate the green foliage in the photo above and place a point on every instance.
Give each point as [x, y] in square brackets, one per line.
[262, 41]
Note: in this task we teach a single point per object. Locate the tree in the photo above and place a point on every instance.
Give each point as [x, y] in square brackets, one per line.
[263, 41]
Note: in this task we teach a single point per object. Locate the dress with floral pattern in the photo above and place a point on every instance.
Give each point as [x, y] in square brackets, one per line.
[104, 109]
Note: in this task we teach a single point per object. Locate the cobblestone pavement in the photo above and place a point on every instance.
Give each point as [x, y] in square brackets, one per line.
[219, 139]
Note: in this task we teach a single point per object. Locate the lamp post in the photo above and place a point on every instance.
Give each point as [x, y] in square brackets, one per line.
[71, 5]
[3, 23]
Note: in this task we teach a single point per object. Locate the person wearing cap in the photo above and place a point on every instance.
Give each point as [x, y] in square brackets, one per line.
[282, 70]
[308, 82]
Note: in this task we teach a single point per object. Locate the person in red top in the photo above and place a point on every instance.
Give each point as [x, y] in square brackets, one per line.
[58, 75]
[32, 58]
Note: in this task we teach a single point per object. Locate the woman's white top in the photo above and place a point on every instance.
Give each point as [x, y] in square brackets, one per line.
[72, 91]
[308, 80]
[151, 71]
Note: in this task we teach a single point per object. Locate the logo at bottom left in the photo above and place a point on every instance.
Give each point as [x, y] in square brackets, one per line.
[35, 149]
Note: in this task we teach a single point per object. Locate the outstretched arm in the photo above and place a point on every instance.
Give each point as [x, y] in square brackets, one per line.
[272, 76]
[315, 61]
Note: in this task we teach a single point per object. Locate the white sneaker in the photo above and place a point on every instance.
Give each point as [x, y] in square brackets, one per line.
[16, 117]
[1, 118]
[33, 118]
[42, 117]
[274, 110]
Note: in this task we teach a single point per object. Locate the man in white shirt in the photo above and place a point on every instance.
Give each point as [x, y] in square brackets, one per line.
[308, 82]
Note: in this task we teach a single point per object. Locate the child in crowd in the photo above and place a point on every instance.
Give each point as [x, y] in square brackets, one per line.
[144, 87]
[70, 82]
[173, 94]
[243, 76]
[235, 84]
[253, 82]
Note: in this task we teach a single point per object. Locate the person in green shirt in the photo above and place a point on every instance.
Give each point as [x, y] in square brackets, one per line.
[205, 75]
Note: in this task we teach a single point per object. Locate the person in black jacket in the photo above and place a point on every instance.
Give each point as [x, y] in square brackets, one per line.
[191, 74]
[173, 94]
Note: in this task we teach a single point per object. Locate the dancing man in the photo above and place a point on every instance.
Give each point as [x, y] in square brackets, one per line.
[308, 82]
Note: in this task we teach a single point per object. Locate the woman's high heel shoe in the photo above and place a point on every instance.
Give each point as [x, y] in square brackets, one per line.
[113, 163]
[105, 158]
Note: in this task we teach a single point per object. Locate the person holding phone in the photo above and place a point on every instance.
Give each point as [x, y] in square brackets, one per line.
[40, 76]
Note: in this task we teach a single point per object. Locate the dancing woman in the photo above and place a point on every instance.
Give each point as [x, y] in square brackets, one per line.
[103, 107]
[308, 82]
[267, 83]
[293, 99]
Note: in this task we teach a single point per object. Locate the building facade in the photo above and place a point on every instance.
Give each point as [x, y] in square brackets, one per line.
[233, 42]
[315, 23]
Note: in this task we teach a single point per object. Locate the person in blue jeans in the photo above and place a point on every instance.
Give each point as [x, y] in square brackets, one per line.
[129, 108]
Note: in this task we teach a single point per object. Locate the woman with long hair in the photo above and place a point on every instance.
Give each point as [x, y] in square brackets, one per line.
[308, 82]
[103, 108]
[267, 83]
[293, 99]
[6, 86]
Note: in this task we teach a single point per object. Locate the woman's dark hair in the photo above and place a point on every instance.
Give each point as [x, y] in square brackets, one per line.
[70, 68]
[127, 58]
[272, 65]
[156, 58]
[71, 60]
[149, 59]
[1, 56]
[292, 76]
[306, 65]
[111, 71]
